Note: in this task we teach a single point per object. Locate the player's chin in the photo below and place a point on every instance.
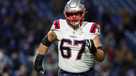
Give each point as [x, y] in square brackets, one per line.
[75, 23]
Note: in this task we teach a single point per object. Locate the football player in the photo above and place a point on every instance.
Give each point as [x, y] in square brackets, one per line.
[79, 45]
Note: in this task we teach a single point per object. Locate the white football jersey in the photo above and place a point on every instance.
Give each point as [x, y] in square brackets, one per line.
[73, 53]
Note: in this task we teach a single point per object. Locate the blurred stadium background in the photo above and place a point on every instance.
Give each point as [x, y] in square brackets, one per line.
[23, 23]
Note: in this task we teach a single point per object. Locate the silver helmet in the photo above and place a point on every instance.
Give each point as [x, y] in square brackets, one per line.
[74, 5]
[74, 12]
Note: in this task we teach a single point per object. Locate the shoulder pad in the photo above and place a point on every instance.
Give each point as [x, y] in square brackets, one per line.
[56, 24]
[94, 28]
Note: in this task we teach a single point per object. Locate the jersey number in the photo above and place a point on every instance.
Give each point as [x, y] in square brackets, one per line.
[67, 54]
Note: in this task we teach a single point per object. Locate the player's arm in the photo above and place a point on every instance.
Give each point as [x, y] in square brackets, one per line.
[42, 50]
[99, 52]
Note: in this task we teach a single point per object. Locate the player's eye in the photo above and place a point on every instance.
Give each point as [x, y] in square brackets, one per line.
[79, 13]
[68, 14]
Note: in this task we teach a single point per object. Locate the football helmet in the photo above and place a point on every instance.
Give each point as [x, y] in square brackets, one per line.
[74, 12]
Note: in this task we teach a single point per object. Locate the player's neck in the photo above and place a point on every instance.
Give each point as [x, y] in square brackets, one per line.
[75, 27]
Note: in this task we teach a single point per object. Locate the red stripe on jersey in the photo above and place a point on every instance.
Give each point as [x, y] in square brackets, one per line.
[57, 24]
[93, 28]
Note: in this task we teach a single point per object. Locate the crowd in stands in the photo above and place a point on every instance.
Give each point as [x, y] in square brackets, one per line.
[23, 23]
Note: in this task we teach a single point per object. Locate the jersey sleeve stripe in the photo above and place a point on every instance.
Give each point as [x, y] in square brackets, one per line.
[93, 28]
[57, 24]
